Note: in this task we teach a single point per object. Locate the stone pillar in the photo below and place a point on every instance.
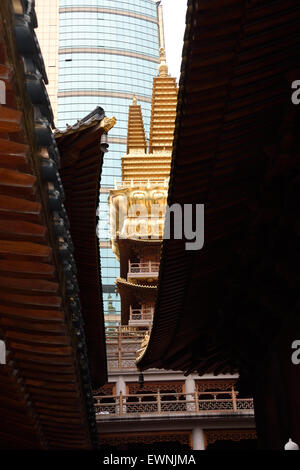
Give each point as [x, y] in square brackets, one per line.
[120, 386]
[198, 438]
[190, 389]
[190, 386]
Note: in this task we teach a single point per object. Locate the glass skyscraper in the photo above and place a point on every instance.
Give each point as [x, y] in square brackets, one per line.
[108, 50]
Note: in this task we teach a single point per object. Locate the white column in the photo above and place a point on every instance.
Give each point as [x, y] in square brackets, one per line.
[190, 385]
[120, 386]
[190, 388]
[198, 438]
[2, 352]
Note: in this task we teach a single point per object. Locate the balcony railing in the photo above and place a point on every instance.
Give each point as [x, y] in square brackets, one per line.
[142, 316]
[142, 270]
[141, 183]
[122, 333]
[172, 403]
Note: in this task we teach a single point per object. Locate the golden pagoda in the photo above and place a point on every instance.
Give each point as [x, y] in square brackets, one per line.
[138, 202]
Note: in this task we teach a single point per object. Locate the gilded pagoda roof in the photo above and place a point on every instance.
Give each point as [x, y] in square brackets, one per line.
[154, 165]
[136, 138]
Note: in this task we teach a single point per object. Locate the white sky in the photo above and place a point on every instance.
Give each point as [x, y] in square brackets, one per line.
[174, 19]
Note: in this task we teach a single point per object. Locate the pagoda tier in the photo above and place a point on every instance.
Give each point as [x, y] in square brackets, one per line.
[137, 212]
[134, 247]
[138, 203]
[46, 383]
[134, 296]
[143, 167]
[137, 165]
[163, 114]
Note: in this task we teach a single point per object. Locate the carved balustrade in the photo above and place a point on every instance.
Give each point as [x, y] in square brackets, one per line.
[149, 268]
[122, 342]
[141, 183]
[170, 403]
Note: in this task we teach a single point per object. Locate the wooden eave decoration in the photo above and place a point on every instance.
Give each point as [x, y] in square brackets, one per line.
[136, 138]
[131, 246]
[163, 110]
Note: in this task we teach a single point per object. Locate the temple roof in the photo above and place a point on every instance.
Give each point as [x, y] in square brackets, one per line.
[131, 293]
[144, 167]
[235, 151]
[136, 138]
[81, 164]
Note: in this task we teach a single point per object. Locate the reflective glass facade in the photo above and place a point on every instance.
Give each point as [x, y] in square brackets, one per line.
[108, 50]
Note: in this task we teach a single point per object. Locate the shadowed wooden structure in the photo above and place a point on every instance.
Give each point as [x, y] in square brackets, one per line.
[82, 151]
[233, 305]
[45, 386]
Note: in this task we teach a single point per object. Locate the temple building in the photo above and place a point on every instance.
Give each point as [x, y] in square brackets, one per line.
[52, 348]
[162, 409]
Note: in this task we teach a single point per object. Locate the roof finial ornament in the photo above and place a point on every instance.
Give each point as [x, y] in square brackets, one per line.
[163, 68]
[134, 99]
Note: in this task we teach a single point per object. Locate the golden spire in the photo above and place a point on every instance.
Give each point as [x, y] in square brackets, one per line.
[154, 166]
[136, 138]
[163, 112]
[163, 68]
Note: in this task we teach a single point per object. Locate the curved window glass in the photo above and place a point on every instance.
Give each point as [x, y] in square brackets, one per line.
[144, 7]
[109, 31]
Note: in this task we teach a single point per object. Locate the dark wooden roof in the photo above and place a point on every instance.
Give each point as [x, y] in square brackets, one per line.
[81, 165]
[45, 387]
[235, 151]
